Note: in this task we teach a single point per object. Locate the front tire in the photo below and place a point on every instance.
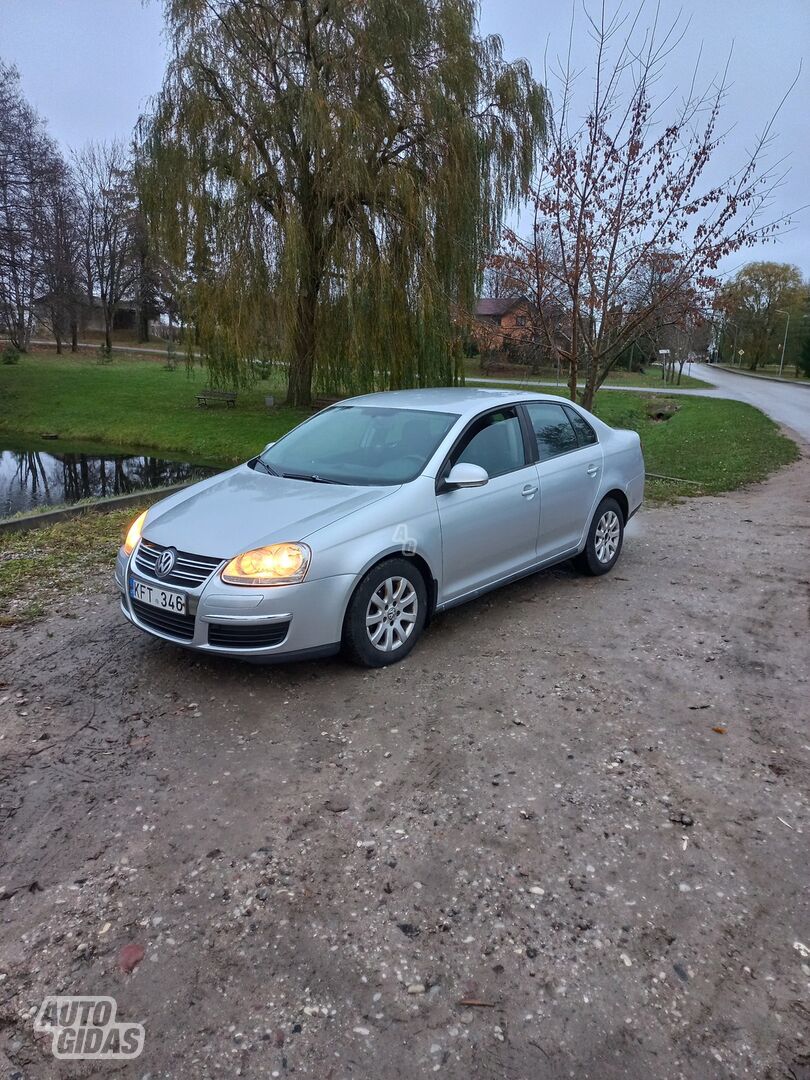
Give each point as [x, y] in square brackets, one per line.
[605, 539]
[386, 614]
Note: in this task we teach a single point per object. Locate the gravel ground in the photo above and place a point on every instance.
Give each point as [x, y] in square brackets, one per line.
[566, 838]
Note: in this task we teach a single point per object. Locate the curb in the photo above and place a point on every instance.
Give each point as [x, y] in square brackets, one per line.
[102, 506]
[762, 378]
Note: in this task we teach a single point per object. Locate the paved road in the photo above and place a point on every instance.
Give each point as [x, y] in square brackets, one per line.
[786, 403]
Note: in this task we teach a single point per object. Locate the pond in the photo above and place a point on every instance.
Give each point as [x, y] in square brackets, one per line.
[52, 474]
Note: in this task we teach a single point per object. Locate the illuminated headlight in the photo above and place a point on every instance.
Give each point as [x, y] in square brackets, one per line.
[278, 564]
[134, 534]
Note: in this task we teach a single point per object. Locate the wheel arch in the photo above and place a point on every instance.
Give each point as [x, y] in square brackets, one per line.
[419, 560]
[621, 498]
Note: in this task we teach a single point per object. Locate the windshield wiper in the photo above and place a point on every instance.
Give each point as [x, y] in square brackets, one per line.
[313, 477]
[267, 468]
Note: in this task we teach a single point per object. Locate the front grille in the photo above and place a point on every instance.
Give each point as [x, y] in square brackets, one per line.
[165, 622]
[189, 570]
[247, 635]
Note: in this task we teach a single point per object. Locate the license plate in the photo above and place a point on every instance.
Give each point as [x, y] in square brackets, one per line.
[165, 599]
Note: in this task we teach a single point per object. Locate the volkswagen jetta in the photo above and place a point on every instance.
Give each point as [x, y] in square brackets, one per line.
[364, 521]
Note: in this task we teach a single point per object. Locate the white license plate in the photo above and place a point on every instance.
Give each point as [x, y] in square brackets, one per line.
[165, 599]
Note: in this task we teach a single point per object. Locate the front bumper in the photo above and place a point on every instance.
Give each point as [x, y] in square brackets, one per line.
[311, 612]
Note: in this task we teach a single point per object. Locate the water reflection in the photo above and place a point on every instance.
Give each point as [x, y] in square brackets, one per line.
[32, 478]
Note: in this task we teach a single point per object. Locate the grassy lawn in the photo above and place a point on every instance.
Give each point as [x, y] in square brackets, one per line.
[651, 377]
[618, 377]
[134, 403]
[718, 445]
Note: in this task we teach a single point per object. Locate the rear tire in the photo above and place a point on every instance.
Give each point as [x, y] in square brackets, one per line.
[605, 539]
[386, 614]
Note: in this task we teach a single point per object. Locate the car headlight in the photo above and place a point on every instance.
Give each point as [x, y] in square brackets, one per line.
[134, 533]
[278, 564]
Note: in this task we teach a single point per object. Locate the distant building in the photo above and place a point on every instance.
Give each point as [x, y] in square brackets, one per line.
[503, 321]
[90, 315]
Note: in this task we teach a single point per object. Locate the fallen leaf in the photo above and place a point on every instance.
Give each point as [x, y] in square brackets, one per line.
[719, 730]
[130, 956]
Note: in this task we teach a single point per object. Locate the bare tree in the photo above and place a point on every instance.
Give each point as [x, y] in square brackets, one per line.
[109, 225]
[30, 171]
[623, 193]
[63, 245]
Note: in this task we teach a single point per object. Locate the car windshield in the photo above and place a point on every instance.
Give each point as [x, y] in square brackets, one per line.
[359, 444]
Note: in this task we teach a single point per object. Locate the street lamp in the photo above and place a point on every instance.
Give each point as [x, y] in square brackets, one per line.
[779, 311]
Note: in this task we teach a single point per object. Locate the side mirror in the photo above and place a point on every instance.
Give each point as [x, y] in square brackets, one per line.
[273, 443]
[466, 475]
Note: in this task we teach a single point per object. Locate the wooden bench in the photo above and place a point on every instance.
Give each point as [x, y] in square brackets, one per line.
[205, 397]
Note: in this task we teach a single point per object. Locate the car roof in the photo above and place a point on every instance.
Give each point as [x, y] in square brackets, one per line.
[464, 400]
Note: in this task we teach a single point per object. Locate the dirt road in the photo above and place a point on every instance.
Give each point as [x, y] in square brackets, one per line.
[567, 837]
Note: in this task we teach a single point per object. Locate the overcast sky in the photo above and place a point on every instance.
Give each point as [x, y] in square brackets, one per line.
[89, 67]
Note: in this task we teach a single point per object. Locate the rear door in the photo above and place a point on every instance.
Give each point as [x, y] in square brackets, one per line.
[489, 532]
[569, 468]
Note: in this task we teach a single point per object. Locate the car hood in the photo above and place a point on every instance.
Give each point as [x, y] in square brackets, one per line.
[244, 508]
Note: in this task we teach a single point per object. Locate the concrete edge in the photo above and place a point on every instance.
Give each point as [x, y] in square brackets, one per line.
[101, 506]
[763, 378]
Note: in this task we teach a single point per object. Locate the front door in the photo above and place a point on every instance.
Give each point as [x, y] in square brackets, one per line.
[489, 532]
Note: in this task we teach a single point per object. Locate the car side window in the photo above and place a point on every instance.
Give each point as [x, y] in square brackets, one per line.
[552, 429]
[495, 442]
[586, 436]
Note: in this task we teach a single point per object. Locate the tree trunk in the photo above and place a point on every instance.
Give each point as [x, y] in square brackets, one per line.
[108, 328]
[588, 394]
[299, 380]
[74, 336]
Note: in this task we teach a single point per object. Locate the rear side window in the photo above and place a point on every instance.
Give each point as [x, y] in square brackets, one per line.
[586, 436]
[552, 429]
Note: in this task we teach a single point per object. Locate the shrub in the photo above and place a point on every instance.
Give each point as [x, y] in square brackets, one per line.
[11, 354]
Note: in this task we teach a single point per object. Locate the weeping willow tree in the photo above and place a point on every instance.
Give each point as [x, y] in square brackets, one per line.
[328, 175]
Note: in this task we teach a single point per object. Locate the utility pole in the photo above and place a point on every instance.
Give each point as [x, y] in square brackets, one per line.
[784, 343]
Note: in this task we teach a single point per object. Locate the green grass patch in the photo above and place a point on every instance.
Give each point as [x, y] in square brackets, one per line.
[43, 568]
[135, 403]
[618, 377]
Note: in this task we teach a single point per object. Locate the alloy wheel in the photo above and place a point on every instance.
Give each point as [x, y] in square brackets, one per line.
[606, 538]
[391, 614]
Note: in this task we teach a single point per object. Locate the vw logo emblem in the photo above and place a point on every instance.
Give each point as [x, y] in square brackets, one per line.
[165, 563]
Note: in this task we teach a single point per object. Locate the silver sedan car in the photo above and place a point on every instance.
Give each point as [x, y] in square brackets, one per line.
[363, 522]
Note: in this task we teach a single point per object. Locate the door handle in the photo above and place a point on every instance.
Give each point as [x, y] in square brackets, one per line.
[529, 490]
[593, 469]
